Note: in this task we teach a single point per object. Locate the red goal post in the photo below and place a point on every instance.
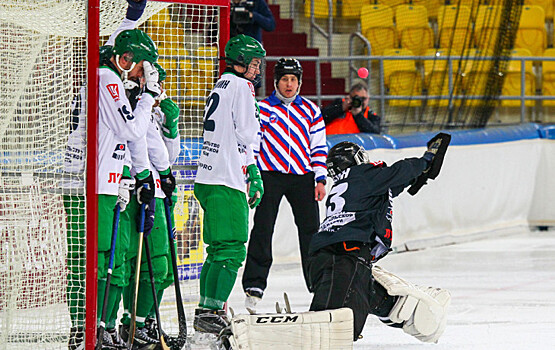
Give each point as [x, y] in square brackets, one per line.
[49, 51]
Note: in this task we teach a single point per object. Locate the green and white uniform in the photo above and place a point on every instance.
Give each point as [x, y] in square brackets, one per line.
[157, 153]
[230, 135]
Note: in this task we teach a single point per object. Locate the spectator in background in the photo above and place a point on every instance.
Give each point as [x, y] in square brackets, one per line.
[291, 158]
[351, 115]
[249, 17]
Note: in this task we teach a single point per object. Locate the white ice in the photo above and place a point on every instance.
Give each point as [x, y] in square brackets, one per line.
[503, 293]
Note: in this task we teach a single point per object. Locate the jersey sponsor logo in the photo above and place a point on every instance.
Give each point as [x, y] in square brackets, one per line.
[252, 88]
[277, 319]
[119, 152]
[114, 178]
[158, 183]
[113, 89]
[273, 118]
[205, 166]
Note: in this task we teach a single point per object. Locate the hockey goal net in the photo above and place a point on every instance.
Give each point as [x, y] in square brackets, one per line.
[46, 282]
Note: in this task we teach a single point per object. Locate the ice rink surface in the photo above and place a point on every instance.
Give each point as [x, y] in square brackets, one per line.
[502, 289]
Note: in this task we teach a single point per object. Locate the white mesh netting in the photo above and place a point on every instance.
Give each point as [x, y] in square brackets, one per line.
[43, 49]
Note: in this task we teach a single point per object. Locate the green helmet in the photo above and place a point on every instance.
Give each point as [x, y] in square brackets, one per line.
[137, 42]
[161, 71]
[241, 49]
[106, 53]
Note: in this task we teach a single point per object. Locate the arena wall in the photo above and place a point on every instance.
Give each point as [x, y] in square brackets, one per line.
[492, 180]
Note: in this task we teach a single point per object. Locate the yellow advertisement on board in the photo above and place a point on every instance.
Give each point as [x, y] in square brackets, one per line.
[189, 245]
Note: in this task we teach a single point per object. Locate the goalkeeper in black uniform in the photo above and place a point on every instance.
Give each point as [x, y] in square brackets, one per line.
[357, 232]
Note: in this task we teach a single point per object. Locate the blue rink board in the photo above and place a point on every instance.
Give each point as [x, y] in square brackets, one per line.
[458, 137]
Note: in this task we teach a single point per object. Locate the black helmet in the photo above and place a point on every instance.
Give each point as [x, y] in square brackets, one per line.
[288, 66]
[344, 155]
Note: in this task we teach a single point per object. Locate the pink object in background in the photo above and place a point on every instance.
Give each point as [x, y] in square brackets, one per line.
[362, 72]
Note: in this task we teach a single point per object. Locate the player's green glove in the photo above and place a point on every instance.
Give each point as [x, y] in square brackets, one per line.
[171, 113]
[256, 188]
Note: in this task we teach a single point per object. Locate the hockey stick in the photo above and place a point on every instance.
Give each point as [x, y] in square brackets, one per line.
[153, 287]
[176, 344]
[132, 326]
[102, 326]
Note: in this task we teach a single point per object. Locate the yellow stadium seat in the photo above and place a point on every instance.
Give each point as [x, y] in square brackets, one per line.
[487, 24]
[402, 78]
[160, 17]
[475, 73]
[531, 32]
[391, 3]
[320, 8]
[207, 51]
[455, 27]
[436, 75]
[376, 22]
[431, 5]
[547, 6]
[512, 84]
[170, 65]
[351, 8]
[413, 29]
[548, 78]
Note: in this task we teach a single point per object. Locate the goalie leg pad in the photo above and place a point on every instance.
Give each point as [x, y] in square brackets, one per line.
[325, 330]
[421, 310]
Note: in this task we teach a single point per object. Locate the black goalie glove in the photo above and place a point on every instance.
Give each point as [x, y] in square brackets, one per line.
[145, 189]
[167, 182]
[434, 155]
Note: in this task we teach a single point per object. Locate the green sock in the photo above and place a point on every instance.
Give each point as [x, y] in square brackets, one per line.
[113, 316]
[145, 302]
[219, 283]
[203, 276]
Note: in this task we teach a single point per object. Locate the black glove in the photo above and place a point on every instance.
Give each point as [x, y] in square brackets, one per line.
[135, 9]
[167, 182]
[145, 189]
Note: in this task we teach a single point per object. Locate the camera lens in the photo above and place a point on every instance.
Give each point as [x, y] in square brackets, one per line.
[356, 102]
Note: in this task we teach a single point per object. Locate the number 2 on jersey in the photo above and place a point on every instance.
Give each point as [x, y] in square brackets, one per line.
[209, 109]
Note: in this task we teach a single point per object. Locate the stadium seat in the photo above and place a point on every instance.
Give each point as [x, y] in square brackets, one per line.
[351, 8]
[207, 51]
[486, 26]
[402, 78]
[436, 75]
[431, 5]
[413, 29]
[512, 84]
[547, 6]
[321, 9]
[475, 73]
[454, 27]
[161, 17]
[548, 78]
[376, 22]
[531, 32]
[471, 4]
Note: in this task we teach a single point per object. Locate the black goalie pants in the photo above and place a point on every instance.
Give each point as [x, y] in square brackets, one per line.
[341, 277]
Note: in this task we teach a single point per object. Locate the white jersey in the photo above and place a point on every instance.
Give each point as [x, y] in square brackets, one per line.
[158, 150]
[117, 124]
[230, 133]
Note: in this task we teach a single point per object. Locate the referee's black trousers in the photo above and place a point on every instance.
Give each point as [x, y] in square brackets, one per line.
[299, 192]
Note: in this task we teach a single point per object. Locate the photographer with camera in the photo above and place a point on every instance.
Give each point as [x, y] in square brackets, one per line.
[351, 115]
[249, 17]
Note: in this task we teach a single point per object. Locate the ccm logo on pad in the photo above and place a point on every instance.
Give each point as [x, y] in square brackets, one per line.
[114, 91]
[276, 319]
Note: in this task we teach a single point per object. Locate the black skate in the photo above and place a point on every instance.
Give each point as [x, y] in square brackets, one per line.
[142, 341]
[210, 321]
[116, 338]
[107, 342]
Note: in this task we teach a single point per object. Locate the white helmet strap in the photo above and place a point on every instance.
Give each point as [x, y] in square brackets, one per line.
[124, 72]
